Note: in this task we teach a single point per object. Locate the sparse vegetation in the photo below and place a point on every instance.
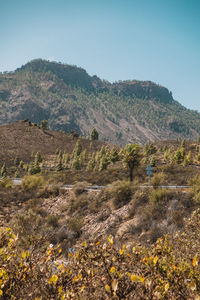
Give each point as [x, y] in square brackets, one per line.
[32, 182]
[195, 188]
[157, 180]
[41, 211]
[105, 270]
[157, 196]
[121, 193]
[74, 99]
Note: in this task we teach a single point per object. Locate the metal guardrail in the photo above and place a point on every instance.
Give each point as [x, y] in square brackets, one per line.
[167, 186]
[100, 187]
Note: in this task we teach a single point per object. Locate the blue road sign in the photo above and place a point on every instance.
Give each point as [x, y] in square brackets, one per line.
[149, 168]
[149, 173]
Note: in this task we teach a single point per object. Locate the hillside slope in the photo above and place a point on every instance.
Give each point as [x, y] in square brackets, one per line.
[70, 99]
[24, 138]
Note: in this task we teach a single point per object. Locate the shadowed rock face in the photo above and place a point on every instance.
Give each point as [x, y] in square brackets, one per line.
[143, 89]
[4, 95]
[33, 112]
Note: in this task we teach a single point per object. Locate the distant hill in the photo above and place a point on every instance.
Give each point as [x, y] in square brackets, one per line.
[23, 139]
[70, 99]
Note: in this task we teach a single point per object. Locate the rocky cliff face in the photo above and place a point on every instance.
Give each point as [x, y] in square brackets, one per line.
[143, 89]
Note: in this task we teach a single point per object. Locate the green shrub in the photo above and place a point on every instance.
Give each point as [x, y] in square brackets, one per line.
[168, 269]
[79, 188]
[75, 224]
[78, 205]
[195, 188]
[6, 183]
[121, 193]
[31, 182]
[157, 195]
[52, 220]
[157, 179]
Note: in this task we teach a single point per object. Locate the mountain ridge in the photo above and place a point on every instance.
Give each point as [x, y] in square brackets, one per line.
[70, 99]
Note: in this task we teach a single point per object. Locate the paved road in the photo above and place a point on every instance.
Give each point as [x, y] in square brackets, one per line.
[100, 187]
[17, 181]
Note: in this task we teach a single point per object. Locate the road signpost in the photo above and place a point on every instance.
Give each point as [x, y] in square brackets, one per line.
[149, 173]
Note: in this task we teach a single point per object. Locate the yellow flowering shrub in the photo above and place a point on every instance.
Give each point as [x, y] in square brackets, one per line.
[169, 269]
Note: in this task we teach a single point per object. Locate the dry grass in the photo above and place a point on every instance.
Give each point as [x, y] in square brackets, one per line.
[121, 193]
[34, 139]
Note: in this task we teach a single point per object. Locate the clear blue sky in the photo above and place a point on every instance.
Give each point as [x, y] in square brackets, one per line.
[156, 40]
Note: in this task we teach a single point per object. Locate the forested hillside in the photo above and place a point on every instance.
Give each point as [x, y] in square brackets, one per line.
[70, 99]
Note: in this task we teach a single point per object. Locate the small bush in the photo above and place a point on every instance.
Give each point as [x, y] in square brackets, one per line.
[31, 182]
[75, 224]
[157, 180]
[178, 217]
[78, 204]
[140, 199]
[157, 195]
[52, 220]
[121, 193]
[79, 188]
[6, 183]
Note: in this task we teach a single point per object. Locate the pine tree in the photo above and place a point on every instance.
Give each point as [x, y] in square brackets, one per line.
[190, 158]
[38, 157]
[179, 155]
[183, 144]
[104, 162]
[76, 163]
[16, 161]
[44, 124]
[91, 163]
[83, 157]
[60, 155]
[3, 171]
[34, 168]
[94, 135]
[114, 155]
[21, 164]
[77, 149]
[65, 159]
[59, 166]
[131, 157]
[17, 174]
[153, 161]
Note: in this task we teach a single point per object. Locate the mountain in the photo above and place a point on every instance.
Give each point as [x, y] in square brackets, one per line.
[70, 99]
